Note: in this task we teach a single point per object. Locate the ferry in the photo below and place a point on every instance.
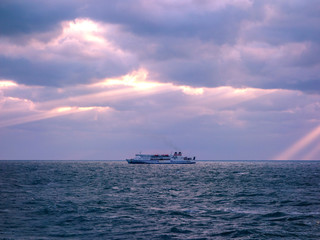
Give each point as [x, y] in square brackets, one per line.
[175, 158]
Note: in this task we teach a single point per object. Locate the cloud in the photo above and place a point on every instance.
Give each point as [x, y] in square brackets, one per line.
[79, 53]
[285, 22]
[201, 43]
[203, 74]
[19, 18]
[156, 115]
[217, 21]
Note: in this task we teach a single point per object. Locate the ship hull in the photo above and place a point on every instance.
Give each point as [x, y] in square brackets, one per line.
[135, 161]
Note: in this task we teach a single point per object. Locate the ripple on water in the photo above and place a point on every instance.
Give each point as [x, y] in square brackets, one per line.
[114, 200]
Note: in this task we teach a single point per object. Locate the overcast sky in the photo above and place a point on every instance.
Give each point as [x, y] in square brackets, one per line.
[98, 79]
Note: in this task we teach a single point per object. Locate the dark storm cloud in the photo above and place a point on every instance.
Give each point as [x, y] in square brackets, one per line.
[194, 72]
[180, 42]
[291, 21]
[18, 17]
[156, 19]
[57, 73]
[172, 32]
[297, 21]
[43, 73]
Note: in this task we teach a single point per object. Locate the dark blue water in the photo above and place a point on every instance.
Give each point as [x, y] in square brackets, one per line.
[114, 200]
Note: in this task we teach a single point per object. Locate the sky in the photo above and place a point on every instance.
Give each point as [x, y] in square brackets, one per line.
[104, 80]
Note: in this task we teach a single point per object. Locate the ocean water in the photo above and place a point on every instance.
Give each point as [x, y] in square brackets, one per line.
[115, 200]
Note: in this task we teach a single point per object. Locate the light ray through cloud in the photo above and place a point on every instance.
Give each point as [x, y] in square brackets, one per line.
[132, 86]
[312, 155]
[291, 152]
[57, 112]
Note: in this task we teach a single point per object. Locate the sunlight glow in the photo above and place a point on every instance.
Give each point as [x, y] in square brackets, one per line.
[6, 84]
[86, 28]
[99, 109]
[192, 91]
[241, 90]
[135, 79]
[138, 80]
[63, 109]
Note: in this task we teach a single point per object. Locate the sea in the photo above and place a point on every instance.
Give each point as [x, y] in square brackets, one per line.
[116, 200]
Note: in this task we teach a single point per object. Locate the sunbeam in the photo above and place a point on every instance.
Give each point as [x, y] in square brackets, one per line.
[312, 155]
[57, 112]
[298, 146]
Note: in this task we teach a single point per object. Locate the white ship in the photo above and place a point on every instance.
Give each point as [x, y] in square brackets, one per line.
[175, 158]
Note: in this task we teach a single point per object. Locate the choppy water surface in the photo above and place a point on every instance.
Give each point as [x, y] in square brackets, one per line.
[114, 200]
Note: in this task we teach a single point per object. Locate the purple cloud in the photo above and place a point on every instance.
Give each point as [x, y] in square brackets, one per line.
[208, 76]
